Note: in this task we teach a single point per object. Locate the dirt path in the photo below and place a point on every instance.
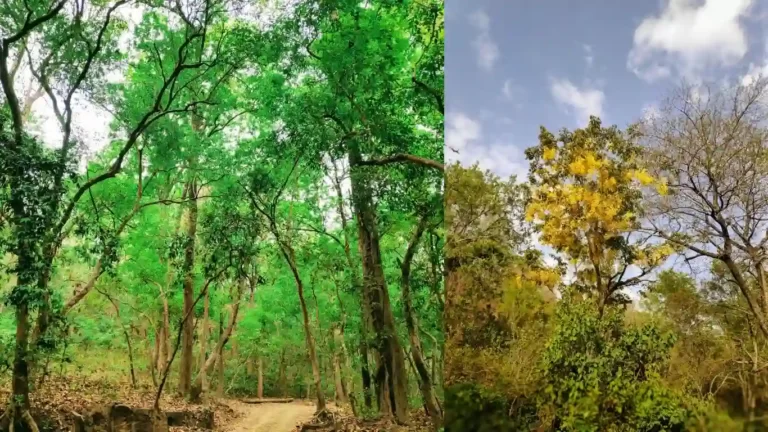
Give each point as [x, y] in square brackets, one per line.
[270, 417]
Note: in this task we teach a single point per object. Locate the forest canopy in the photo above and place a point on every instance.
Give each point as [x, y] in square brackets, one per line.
[262, 217]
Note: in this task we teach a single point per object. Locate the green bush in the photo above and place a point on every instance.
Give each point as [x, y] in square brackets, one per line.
[603, 375]
[469, 408]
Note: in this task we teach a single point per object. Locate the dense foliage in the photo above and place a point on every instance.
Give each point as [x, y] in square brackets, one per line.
[264, 218]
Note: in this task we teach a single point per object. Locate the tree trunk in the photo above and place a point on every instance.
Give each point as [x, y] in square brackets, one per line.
[160, 357]
[185, 366]
[291, 261]
[358, 287]
[340, 395]
[338, 376]
[20, 380]
[365, 371]
[391, 357]
[165, 352]
[260, 389]
[204, 341]
[217, 355]
[745, 290]
[155, 356]
[26, 280]
[348, 383]
[309, 339]
[130, 358]
[411, 322]
[340, 391]
[762, 285]
[165, 338]
[221, 363]
[282, 379]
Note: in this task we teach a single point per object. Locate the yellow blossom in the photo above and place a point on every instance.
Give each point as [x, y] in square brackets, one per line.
[578, 167]
[643, 177]
[549, 153]
[661, 187]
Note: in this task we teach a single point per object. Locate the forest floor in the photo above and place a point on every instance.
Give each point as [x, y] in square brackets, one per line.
[62, 397]
[269, 417]
[290, 417]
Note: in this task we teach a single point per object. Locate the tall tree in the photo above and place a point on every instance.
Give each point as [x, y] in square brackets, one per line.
[710, 145]
[75, 45]
[585, 202]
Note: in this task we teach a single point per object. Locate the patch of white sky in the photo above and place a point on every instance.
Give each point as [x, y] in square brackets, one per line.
[684, 39]
[335, 170]
[91, 121]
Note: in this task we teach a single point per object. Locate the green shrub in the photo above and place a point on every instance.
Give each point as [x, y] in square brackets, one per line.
[469, 408]
[603, 375]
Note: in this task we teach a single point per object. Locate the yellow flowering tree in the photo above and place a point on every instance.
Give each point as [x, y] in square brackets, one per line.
[585, 202]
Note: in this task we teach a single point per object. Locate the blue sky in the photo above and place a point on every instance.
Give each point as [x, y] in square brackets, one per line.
[513, 65]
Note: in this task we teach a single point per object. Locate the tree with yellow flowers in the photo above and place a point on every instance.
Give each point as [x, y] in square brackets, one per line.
[585, 196]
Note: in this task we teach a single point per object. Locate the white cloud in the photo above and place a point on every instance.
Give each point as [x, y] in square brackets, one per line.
[460, 130]
[581, 102]
[589, 57]
[650, 111]
[503, 159]
[463, 136]
[480, 20]
[757, 70]
[487, 50]
[754, 72]
[688, 36]
[508, 89]
[513, 94]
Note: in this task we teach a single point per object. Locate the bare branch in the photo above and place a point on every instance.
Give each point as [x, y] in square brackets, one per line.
[403, 157]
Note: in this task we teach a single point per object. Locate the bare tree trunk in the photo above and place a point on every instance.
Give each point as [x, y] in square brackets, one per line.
[290, 259]
[348, 383]
[221, 363]
[185, 366]
[338, 376]
[166, 331]
[376, 294]
[204, 341]
[282, 380]
[411, 322]
[365, 369]
[260, 389]
[165, 352]
[341, 394]
[155, 356]
[366, 313]
[160, 360]
[126, 334]
[197, 386]
[130, 358]
[762, 285]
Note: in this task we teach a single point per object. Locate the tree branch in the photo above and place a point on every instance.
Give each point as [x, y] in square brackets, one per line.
[404, 157]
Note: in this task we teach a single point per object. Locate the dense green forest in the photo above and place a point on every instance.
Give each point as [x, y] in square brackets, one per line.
[646, 309]
[264, 219]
